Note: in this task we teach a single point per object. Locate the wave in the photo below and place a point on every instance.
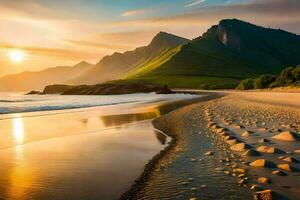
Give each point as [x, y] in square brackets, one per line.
[5, 110]
[15, 101]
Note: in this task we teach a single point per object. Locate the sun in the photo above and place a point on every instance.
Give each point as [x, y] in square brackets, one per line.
[16, 55]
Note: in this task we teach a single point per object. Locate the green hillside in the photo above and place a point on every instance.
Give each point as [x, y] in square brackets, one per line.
[224, 55]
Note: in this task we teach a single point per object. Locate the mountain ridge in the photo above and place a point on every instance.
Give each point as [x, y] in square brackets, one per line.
[37, 80]
[117, 65]
[225, 54]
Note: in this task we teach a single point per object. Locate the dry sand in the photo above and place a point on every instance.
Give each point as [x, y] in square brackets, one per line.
[259, 133]
[272, 121]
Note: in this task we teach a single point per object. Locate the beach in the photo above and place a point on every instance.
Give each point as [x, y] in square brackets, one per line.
[217, 145]
[249, 137]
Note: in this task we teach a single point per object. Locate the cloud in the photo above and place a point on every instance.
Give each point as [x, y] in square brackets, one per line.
[92, 44]
[195, 3]
[133, 13]
[127, 38]
[270, 13]
[45, 51]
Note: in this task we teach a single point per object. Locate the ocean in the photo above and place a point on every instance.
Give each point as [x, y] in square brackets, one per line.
[19, 103]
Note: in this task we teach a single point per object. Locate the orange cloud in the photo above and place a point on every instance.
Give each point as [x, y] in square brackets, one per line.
[133, 12]
[98, 45]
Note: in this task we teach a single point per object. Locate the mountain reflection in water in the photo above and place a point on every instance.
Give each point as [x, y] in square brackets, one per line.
[117, 120]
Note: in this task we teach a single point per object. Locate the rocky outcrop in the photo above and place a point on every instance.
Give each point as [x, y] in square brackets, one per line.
[228, 38]
[165, 90]
[33, 92]
[102, 89]
[56, 89]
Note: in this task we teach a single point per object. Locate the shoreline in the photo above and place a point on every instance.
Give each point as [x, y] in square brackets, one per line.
[175, 139]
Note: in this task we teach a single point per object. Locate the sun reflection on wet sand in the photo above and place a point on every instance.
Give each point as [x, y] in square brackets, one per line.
[21, 178]
[18, 129]
[20, 175]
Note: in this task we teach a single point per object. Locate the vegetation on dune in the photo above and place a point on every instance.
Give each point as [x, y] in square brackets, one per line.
[246, 84]
[288, 77]
[263, 81]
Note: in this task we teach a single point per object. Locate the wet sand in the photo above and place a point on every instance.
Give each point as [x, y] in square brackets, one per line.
[88, 153]
[217, 143]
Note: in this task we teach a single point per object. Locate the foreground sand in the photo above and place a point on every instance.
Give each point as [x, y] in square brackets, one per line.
[262, 128]
[257, 135]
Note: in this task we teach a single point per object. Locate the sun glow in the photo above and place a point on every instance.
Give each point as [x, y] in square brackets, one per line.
[16, 55]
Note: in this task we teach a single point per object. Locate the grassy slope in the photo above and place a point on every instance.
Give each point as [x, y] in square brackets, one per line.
[153, 64]
[119, 65]
[204, 63]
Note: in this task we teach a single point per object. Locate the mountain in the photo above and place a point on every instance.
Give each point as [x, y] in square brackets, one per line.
[225, 54]
[118, 65]
[27, 81]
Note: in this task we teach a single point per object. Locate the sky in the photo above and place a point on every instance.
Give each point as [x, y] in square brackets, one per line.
[62, 33]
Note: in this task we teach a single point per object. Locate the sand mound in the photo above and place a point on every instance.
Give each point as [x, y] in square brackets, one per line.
[247, 133]
[229, 137]
[232, 142]
[251, 152]
[268, 149]
[287, 136]
[240, 147]
[263, 195]
[239, 126]
[209, 153]
[286, 167]
[279, 173]
[262, 163]
[291, 159]
[263, 180]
